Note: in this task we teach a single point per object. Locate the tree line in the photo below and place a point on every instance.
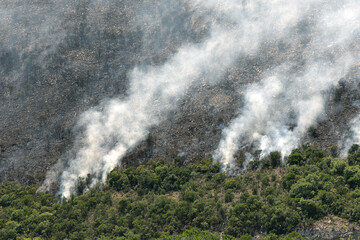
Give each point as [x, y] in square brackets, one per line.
[166, 200]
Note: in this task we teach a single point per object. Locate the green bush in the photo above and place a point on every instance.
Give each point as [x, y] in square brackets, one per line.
[353, 149]
[295, 159]
[354, 159]
[275, 159]
[302, 189]
[246, 237]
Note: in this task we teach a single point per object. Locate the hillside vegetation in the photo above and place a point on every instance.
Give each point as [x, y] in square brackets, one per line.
[167, 200]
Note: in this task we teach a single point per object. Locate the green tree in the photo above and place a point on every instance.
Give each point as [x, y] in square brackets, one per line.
[246, 237]
[295, 159]
[354, 159]
[353, 149]
[275, 159]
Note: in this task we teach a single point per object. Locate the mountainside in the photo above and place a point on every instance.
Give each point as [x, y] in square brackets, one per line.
[62, 64]
[57, 65]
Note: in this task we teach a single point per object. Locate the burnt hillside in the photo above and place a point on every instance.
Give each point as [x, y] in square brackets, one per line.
[58, 60]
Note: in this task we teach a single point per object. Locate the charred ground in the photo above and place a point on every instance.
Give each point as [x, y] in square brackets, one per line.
[43, 90]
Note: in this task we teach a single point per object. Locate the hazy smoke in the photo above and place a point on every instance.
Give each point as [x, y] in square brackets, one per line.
[289, 94]
[353, 135]
[279, 110]
[118, 125]
[30, 32]
[39, 28]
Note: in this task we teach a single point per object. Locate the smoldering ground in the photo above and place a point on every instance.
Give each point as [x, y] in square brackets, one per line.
[306, 48]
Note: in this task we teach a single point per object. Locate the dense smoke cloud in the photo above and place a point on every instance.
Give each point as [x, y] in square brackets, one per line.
[117, 126]
[279, 110]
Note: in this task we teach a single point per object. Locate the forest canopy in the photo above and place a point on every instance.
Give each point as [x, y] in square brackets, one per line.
[165, 200]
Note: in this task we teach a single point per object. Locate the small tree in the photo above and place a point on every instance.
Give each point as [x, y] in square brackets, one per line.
[353, 149]
[354, 159]
[334, 151]
[229, 196]
[295, 159]
[275, 158]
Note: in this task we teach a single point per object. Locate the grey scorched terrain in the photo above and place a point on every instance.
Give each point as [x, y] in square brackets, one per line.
[58, 59]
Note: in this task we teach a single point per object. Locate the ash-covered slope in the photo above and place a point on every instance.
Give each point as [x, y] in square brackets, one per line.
[180, 73]
[60, 59]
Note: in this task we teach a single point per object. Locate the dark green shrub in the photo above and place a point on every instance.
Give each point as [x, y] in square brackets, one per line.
[229, 196]
[275, 159]
[353, 149]
[354, 159]
[295, 159]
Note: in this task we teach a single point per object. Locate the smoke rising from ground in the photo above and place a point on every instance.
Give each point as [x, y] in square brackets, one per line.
[353, 135]
[279, 110]
[111, 130]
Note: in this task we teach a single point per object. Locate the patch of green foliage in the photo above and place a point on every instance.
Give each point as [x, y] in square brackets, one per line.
[163, 200]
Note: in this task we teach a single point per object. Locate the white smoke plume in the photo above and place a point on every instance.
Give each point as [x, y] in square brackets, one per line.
[118, 125]
[353, 135]
[289, 94]
[279, 110]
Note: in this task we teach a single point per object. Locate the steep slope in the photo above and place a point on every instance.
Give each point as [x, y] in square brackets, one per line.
[58, 60]
[43, 91]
